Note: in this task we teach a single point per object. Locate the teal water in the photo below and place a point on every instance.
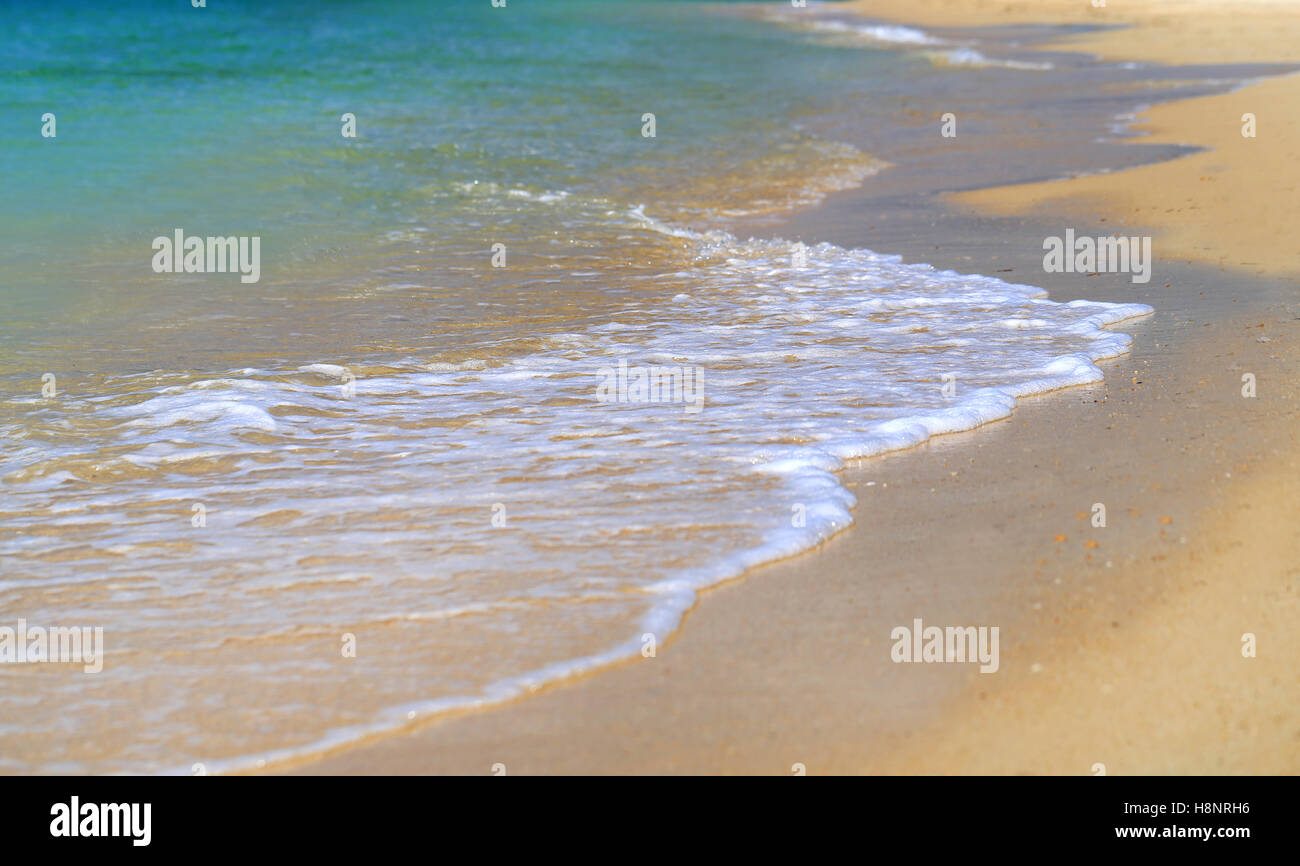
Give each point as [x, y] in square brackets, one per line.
[471, 121]
[390, 444]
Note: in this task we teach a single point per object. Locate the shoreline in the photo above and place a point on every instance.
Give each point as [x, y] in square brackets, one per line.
[721, 697]
[1167, 32]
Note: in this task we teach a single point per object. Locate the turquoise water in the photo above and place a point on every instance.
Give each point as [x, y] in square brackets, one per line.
[226, 120]
[387, 442]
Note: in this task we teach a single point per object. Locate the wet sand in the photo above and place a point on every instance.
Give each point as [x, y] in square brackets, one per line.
[1125, 653]
[1120, 645]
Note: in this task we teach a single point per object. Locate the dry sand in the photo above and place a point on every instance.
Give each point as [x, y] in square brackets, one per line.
[1127, 653]
[1158, 31]
[1120, 645]
[1232, 205]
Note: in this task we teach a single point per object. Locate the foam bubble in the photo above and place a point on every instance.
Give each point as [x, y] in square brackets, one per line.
[332, 511]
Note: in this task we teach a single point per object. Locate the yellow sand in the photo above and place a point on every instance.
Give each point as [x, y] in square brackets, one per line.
[1099, 696]
[1160, 31]
[1122, 646]
[1233, 205]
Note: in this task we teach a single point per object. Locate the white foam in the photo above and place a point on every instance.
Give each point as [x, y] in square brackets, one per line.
[972, 57]
[326, 370]
[887, 33]
[937, 50]
[617, 512]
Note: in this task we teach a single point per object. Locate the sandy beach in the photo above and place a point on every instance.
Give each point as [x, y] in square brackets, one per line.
[651, 388]
[1122, 645]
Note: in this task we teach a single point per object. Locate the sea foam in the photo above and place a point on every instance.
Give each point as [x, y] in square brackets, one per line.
[331, 510]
